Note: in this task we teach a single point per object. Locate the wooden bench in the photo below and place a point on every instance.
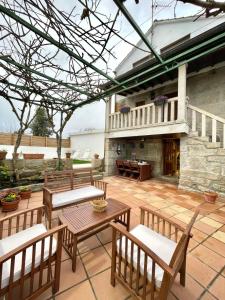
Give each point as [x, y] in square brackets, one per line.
[70, 187]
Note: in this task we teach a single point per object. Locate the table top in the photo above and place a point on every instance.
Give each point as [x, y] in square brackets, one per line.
[83, 218]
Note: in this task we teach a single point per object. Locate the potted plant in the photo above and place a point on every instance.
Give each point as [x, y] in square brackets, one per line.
[210, 196]
[10, 202]
[25, 192]
[125, 110]
[3, 153]
[160, 100]
[96, 156]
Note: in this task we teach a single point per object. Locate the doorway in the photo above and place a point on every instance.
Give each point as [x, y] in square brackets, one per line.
[171, 157]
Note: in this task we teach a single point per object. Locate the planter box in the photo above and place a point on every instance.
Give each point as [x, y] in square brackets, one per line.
[33, 156]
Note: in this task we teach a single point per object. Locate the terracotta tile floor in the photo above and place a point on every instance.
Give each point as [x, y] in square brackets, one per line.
[206, 256]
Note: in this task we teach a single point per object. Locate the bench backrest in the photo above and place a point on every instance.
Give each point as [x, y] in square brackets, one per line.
[68, 179]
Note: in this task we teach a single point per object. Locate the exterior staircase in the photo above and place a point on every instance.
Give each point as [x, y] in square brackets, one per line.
[202, 160]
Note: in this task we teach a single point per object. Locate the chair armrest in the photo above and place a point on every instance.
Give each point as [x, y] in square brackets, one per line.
[141, 246]
[23, 247]
[19, 220]
[48, 190]
[101, 185]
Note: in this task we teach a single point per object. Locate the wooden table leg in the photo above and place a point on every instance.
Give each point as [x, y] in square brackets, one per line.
[74, 258]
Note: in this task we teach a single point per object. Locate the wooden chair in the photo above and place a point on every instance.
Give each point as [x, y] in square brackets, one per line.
[127, 170]
[147, 259]
[120, 167]
[30, 256]
[135, 170]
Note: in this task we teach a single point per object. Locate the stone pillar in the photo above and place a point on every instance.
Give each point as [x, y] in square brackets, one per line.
[107, 113]
[182, 81]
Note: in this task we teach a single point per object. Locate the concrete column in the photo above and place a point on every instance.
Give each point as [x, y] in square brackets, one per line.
[182, 82]
[107, 113]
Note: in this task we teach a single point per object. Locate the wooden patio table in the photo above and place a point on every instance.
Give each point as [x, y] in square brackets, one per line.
[83, 222]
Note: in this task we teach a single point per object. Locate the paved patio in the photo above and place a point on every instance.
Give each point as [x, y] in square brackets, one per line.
[206, 256]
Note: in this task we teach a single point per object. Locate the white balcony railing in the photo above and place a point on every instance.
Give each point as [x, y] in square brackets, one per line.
[145, 116]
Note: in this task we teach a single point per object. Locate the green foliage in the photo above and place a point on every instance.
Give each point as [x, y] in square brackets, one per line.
[41, 125]
[80, 162]
[24, 189]
[10, 197]
[4, 173]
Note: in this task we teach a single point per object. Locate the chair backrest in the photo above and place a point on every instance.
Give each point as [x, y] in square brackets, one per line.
[179, 254]
[134, 166]
[119, 163]
[68, 179]
[58, 179]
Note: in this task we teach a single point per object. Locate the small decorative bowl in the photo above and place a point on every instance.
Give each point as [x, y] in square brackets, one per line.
[99, 205]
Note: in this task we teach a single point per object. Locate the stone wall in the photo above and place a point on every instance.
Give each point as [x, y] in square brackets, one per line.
[33, 169]
[202, 165]
[130, 149]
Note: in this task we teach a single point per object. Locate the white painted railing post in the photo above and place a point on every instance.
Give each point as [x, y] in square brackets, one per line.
[214, 124]
[182, 80]
[224, 135]
[193, 116]
[165, 113]
[203, 125]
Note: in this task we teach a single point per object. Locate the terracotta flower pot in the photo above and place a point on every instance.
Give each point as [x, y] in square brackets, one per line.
[210, 197]
[3, 155]
[25, 194]
[10, 206]
[68, 155]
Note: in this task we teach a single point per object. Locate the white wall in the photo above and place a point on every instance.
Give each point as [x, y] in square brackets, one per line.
[49, 152]
[166, 32]
[87, 144]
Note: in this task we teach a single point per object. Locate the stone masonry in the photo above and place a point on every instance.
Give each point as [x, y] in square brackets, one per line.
[202, 165]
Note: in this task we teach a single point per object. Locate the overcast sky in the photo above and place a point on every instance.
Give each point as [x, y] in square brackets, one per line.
[92, 116]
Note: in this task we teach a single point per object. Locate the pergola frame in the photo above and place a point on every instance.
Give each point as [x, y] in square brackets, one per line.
[159, 68]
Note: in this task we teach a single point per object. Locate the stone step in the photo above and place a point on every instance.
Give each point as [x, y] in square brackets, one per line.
[193, 134]
[212, 145]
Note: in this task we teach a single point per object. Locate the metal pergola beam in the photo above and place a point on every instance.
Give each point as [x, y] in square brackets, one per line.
[137, 29]
[57, 101]
[20, 20]
[60, 82]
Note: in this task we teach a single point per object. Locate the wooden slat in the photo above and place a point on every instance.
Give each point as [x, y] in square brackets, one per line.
[203, 133]
[214, 129]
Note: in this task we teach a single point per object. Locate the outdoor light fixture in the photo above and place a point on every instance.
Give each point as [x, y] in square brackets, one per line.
[118, 149]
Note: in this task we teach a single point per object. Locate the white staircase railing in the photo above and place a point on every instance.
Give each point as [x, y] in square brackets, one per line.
[206, 124]
[144, 116]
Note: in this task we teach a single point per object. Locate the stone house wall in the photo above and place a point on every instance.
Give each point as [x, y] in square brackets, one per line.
[202, 165]
[152, 151]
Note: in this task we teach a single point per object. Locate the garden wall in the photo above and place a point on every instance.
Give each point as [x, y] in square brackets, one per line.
[32, 170]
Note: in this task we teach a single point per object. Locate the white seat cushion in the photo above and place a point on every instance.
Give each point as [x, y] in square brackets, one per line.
[73, 196]
[10, 243]
[158, 243]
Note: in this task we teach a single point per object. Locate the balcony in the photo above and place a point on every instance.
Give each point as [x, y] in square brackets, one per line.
[149, 120]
